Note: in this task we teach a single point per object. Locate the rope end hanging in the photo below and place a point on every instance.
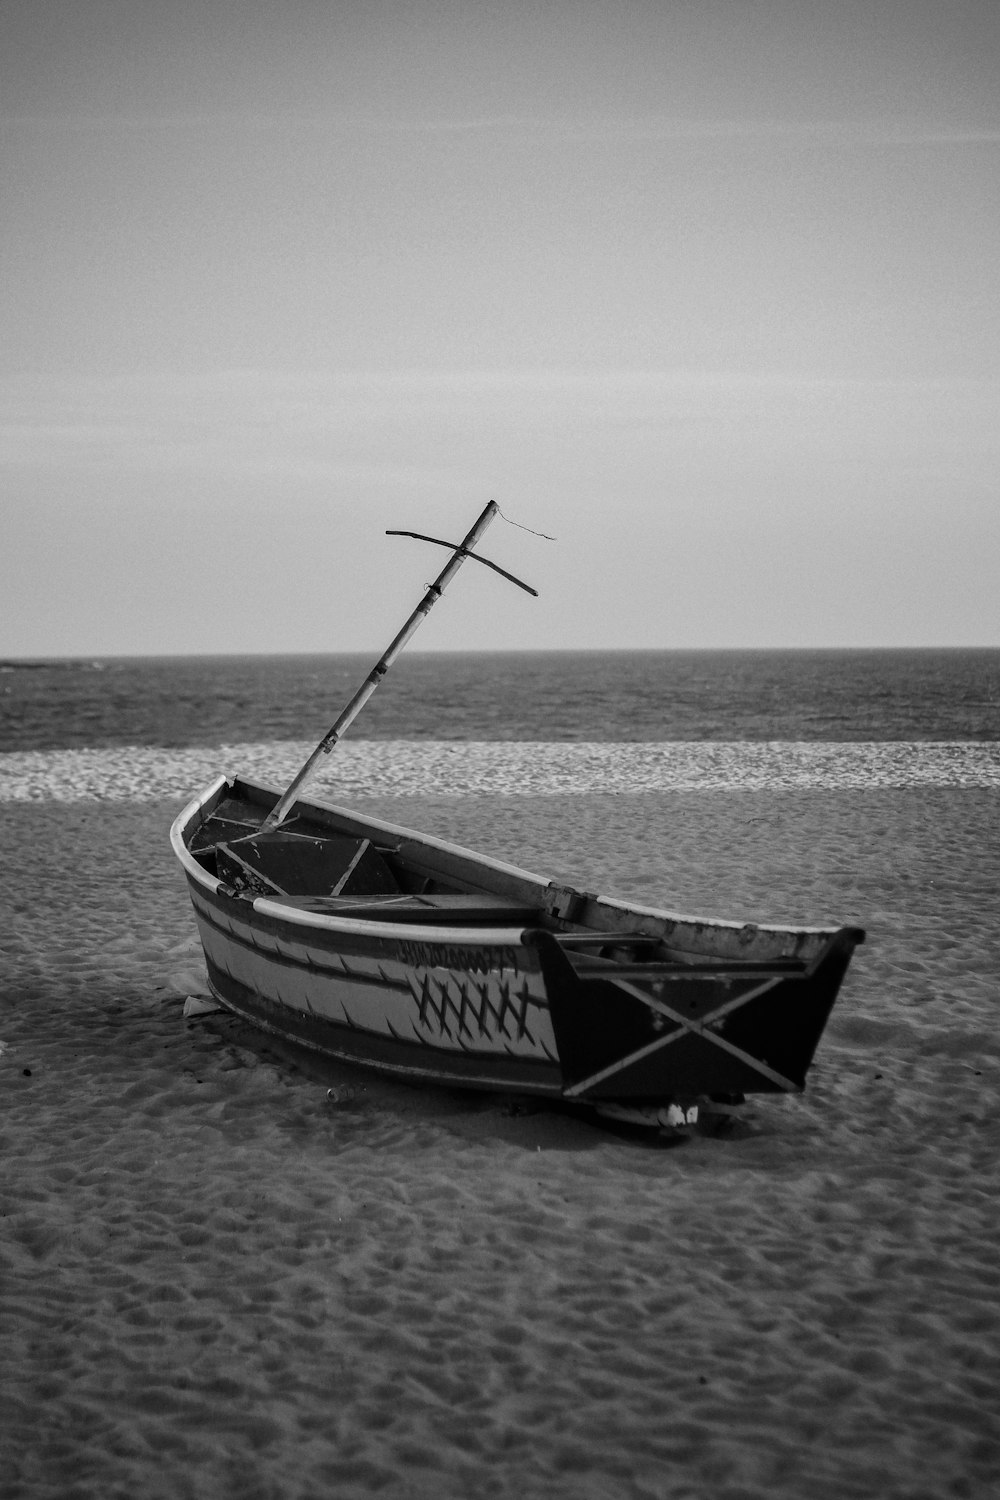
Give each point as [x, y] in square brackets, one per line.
[543, 534]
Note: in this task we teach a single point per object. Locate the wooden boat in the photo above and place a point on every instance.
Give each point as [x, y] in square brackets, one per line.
[387, 948]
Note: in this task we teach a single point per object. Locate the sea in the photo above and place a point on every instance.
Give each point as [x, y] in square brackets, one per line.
[549, 696]
[505, 722]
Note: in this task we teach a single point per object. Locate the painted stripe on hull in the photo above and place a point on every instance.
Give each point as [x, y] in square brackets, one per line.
[475, 1015]
[412, 1063]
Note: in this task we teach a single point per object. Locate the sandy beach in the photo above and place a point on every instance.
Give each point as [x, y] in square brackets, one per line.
[216, 1282]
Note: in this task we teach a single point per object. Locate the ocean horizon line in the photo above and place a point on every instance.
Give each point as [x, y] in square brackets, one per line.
[86, 659]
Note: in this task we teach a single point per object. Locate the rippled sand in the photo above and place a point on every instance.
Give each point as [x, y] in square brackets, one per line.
[216, 1282]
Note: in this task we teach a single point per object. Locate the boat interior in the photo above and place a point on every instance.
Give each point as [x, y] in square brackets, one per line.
[321, 863]
[333, 863]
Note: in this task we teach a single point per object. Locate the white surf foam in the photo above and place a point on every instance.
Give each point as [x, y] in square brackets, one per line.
[459, 768]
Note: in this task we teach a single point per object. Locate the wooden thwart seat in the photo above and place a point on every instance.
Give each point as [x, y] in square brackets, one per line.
[438, 908]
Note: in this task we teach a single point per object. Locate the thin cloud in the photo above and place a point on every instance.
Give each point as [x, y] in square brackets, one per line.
[901, 133]
[321, 424]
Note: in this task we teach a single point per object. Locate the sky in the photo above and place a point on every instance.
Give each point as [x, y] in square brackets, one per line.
[705, 291]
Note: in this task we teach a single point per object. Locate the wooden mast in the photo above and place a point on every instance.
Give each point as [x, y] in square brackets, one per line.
[463, 550]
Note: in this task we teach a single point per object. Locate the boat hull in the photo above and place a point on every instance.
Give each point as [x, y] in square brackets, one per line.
[515, 984]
